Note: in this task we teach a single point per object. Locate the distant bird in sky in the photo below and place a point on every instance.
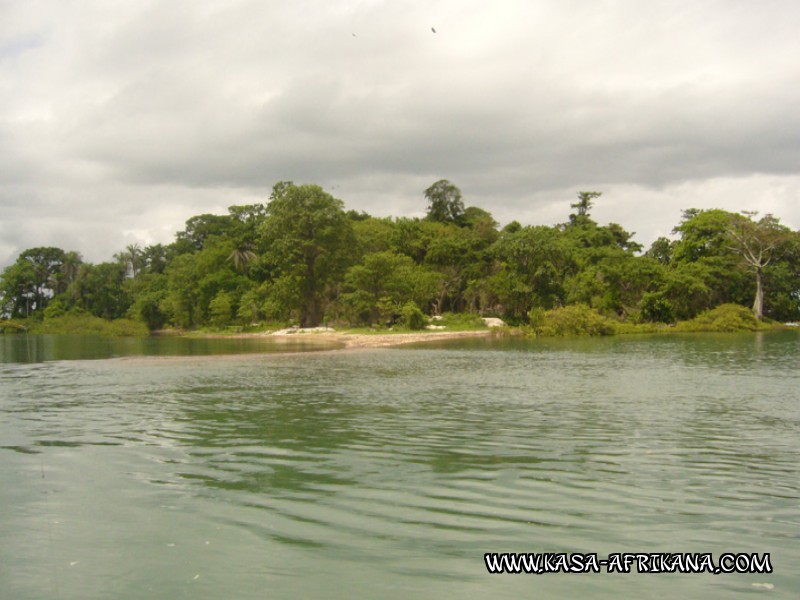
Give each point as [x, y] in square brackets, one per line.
[433, 30]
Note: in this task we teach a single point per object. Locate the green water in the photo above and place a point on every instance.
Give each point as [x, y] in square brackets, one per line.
[41, 348]
[389, 473]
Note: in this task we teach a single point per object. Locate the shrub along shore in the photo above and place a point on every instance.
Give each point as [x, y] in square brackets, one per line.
[569, 321]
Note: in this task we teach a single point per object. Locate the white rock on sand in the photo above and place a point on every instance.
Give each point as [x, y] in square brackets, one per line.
[494, 322]
[301, 330]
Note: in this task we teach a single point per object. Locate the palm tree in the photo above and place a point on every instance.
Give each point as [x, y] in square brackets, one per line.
[69, 270]
[154, 258]
[241, 257]
[132, 257]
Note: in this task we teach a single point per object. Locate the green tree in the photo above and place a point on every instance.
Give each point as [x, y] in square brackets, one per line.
[703, 234]
[242, 256]
[70, 267]
[383, 283]
[155, 258]
[148, 292]
[661, 250]
[705, 242]
[221, 309]
[444, 203]
[19, 289]
[105, 295]
[582, 208]
[532, 265]
[373, 235]
[413, 317]
[180, 301]
[201, 228]
[28, 285]
[132, 258]
[308, 239]
[756, 243]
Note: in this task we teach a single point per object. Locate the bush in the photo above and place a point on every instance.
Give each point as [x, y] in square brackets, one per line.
[725, 317]
[577, 319]
[12, 326]
[412, 317]
[656, 308]
[221, 309]
[54, 310]
[87, 324]
[536, 317]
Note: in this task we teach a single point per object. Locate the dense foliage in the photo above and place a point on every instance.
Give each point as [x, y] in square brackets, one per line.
[302, 258]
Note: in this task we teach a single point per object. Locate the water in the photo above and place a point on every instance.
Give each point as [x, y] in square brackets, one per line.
[389, 473]
[41, 348]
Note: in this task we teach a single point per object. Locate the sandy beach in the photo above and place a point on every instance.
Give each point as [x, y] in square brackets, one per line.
[373, 340]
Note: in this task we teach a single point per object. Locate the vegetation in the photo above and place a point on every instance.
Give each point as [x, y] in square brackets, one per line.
[578, 319]
[302, 259]
[90, 324]
[726, 317]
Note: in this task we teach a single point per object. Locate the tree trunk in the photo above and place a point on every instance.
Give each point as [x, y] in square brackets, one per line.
[758, 305]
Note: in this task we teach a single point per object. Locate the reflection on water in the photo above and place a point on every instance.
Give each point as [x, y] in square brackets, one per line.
[41, 348]
[389, 473]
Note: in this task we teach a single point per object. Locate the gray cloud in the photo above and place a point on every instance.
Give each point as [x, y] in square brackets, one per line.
[119, 122]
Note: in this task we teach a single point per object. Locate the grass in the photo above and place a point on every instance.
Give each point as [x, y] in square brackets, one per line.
[12, 326]
[86, 324]
[581, 320]
[460, 322]
[726, 318]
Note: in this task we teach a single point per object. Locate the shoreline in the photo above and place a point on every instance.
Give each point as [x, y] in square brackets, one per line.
[350, 341]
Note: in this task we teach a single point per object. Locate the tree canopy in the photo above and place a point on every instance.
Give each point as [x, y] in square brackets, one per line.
[301, 258]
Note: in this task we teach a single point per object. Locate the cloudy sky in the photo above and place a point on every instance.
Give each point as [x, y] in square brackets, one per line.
[121, 119]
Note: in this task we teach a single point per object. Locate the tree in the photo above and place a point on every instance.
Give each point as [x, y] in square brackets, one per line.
[582, 206]
[532, 265]
[755, 242]
[661, 250]
[18, 289]
[706, 245]
[106, 297]
[241, 257]
[154, 258]
[132, 258]
[221, 309]
[202, 227]
[308, 237]
[29, 284]
[383, 283]
[444, 203]
[704, 233]
[70, 268]
[148, 292]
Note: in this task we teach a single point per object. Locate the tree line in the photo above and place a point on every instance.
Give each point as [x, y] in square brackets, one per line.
[303, 258]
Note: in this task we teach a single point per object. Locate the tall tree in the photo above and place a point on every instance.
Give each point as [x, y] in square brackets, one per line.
[383, 283]
[154, 258]
[132, 258]
[582, 206]
[308, 238]
[69, 270]
[755, 242]
[444, 203]
[200, 228]
[241, 257]
[29, 284]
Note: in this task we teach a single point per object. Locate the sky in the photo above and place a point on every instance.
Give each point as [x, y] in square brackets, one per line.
[119, 120]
